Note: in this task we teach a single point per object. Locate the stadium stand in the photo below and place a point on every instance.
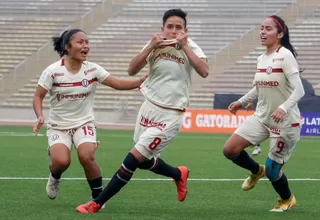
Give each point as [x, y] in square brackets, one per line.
[216, 25]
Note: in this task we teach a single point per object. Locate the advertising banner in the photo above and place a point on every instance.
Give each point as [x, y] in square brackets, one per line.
[310, 124]
[212, 120]
[222, 121]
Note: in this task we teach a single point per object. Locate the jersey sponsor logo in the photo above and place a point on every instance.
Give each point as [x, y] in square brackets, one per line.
[277, 60]
[145, 122]
[86, 72]
[56, 75]
[72, 97]
[74, 84]
[169, 56]
[276, 131]
[266, 84]
[177, 46]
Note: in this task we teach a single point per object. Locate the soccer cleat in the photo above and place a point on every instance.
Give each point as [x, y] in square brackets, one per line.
[182, 189]
[284, 205]
[102, 207]
[89, 207]
[52, 187]
[252, 180]
[256, 150]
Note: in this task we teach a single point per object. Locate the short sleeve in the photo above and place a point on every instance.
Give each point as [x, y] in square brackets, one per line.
[290, 65]
[196, 49]
[101, 74]
[46, 79]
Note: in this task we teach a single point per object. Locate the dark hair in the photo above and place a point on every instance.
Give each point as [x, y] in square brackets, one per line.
[285, 40]
[59, 43]
[174, 12]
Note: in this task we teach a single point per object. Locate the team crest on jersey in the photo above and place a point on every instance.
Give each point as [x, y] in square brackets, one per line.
[269, 70]
[177, 46]
[85, 83]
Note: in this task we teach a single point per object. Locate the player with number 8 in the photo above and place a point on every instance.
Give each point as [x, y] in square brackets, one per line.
[171, 56]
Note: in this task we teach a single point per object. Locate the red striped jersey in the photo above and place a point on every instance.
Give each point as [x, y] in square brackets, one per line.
[71, 95]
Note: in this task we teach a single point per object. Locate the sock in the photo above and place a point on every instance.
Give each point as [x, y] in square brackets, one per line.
[281, 186]
[160, 167]
[246, 162]
[119, 179]
[95, 186]
[57, 176]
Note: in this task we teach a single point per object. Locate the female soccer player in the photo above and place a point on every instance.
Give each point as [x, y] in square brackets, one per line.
[172, 57]
[278, 88]
[71, 83]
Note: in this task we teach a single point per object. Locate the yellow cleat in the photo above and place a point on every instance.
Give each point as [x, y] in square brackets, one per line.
[284, 205]
[252, 180]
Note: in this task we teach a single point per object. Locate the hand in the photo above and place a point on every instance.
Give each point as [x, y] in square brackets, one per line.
[182, 39]
[249, 106]
[234, 107]
[142, 79]
[278, 115]
[156, 40]
[38, 125]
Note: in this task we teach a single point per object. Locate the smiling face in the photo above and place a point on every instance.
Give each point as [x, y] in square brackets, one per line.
[269, 34]
[172, 27]
[78, 46]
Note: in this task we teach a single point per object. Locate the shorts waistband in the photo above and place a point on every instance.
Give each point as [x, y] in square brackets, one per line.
[163, 109]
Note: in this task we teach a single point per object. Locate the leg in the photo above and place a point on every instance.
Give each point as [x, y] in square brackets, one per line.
[149, 141]
[250, 132]
[281, 147]
[154, 140]
[85, 141]
[60, 159]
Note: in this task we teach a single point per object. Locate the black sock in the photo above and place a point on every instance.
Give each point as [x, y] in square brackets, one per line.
[281, 186]
[246, 162]
[95, 186]
[160, 167]
[57, 176]
[119, 179]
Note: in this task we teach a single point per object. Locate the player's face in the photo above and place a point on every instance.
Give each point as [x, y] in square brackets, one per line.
[172, 27]
[79, 46]
[269, 35]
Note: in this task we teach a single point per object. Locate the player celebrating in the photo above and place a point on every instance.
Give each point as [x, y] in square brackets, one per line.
[71, 83]
[278, 88]
[172, 56]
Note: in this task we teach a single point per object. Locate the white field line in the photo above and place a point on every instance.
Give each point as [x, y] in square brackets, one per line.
[154, 179]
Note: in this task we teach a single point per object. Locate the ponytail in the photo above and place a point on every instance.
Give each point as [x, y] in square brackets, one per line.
[59, 43]
[285, 40]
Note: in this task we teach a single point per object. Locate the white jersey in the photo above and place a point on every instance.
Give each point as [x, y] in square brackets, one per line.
[71, 95]
[170, 75]
[271, 81]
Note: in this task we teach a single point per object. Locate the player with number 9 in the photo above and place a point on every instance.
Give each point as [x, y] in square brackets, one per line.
[278, 87]
[71, 83]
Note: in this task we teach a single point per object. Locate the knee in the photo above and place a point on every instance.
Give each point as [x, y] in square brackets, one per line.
[230, 151]
[87, 160]
[62, 163]
[272, 170]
